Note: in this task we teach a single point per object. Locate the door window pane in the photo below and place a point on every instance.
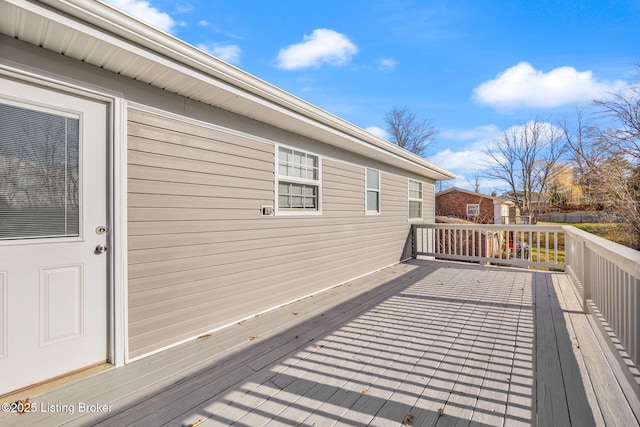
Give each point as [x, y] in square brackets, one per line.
[39, 175]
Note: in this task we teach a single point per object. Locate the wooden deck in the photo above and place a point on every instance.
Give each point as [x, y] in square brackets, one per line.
[424, 343]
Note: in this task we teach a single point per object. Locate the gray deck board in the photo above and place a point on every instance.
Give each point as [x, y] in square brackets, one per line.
[448, 343]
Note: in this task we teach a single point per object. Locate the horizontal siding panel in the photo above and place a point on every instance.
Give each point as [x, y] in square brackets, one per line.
[137, 186]
[228, 262]
[169, 297]
[201, 255]
[160, 161]
[263, 224]
[139, 118]
[181, 152]
[220, 236]
[268, 287]
[189, 249]
[206, 177]
[170, 137]
[161, 201]
[240, 209]
[146, 337]
[235, 278]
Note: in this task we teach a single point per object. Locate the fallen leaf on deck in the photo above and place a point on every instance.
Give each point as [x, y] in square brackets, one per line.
[319, 346]
[197, 423]
[241, 322]
[23, 406]
[253, 338]
[204, 336]
[408, 419]
[295, 313]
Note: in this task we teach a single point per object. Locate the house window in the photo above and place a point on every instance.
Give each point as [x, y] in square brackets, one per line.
[373, 191]
[39, 174]
[473, 210]
[298, 181]
[415, 199]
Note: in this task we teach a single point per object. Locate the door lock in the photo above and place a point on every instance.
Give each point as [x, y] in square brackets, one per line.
[101, 229]
[100, 249]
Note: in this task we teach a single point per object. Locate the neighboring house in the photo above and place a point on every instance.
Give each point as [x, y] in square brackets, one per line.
[195, 195]
[475, 207]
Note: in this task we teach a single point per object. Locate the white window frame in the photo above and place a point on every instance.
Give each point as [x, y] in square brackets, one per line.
[297, 180]
[414, 199]
[477, 206]
[368, 189]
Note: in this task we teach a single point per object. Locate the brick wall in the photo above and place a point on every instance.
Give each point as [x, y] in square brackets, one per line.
[455, 204]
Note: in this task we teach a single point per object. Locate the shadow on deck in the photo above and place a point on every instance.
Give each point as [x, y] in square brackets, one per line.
[424, 343]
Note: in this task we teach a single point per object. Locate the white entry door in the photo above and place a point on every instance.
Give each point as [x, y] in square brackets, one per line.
[53, 213]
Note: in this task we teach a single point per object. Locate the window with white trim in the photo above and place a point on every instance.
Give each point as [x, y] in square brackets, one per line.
[298, 175]
[473, 210]
[415, 199]
[373, 191]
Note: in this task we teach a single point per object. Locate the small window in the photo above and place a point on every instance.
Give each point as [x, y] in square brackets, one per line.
[298, 181]
[473, 210]
[373, 191]
[415, 199]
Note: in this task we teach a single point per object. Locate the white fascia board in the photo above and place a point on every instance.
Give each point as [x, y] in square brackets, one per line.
[134, 36]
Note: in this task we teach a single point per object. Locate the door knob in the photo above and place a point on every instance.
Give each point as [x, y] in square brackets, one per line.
[100, 249]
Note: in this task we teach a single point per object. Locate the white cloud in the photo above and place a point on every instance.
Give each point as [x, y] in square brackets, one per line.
[479, 132]
[522, 86]
[184, 8]
[378, 132]
[323, 46]
[203, 23]
[145, 12]
[468, 159]
[387, 64]
[230, 53]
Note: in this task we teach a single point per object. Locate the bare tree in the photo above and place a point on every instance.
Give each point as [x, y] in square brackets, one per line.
[524, 158]
[624, 109]
[616, 176]
[586, 151]
[409, 132]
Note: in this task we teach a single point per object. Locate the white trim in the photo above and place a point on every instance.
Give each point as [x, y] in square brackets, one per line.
[410, 199]
[120, 324]
[367, 189]
[285, 178]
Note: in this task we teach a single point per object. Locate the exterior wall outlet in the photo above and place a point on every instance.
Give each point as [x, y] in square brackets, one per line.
[267, 210]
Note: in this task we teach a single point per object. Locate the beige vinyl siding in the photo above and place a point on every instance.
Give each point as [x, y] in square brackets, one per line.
[201, 255]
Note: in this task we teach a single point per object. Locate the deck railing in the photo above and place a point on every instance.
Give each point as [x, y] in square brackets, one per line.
[517, 245]
[606, 274]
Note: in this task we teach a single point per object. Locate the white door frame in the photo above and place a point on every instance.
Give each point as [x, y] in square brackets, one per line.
[117, 276]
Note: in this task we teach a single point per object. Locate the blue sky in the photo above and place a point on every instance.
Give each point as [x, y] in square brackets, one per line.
[475, 68]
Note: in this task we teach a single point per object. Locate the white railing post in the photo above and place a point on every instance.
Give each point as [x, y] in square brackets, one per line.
[586, 276]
